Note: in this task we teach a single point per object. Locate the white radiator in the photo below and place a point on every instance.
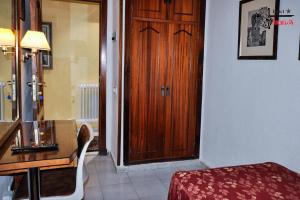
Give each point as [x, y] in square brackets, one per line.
[89, 102]
[2, 99]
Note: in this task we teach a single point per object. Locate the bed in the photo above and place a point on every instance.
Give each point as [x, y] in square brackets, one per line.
[266, 181]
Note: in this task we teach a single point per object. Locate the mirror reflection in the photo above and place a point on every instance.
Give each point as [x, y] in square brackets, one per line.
[35, 136]
[7, 65]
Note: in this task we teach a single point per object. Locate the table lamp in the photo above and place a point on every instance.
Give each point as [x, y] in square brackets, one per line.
[7, 40]
[34, 40]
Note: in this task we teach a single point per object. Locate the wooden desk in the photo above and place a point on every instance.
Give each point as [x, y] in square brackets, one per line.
[65, 135]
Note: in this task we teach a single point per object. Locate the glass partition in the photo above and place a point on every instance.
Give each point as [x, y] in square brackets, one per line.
[71, 69]
[8, 63]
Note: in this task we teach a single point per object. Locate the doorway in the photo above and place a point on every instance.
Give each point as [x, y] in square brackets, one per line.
[71, 70]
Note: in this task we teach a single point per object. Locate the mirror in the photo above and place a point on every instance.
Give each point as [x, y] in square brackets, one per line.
[8, 67]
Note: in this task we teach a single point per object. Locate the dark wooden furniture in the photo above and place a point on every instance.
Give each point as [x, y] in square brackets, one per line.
[54, 182]
[163, 86]
[63, 133]
[58, 182]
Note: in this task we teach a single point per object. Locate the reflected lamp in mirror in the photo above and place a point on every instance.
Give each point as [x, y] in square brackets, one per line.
[34, 40]
[7, 40]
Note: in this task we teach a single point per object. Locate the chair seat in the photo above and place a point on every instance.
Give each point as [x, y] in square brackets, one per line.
[59, 182]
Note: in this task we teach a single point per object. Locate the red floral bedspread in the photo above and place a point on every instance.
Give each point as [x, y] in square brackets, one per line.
[267, 181]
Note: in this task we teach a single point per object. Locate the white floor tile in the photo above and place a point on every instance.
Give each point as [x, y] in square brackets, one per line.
[92, 181]
[93, 193]
[149, 188]
[113, 179]
[141, 176]
[150, 184]
[120, 191]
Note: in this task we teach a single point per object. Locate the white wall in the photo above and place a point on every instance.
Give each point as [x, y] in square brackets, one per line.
[251, 109]
[112, 78]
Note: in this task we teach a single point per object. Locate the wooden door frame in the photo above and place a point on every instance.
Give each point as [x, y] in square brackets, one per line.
[103, 77]
[120, 81]
[102, 73]
[125, 115]
[126, 90]
[15, 62]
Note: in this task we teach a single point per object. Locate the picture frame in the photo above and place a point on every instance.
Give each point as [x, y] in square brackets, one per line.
[258, 34]
[46, 56]
[299, 51]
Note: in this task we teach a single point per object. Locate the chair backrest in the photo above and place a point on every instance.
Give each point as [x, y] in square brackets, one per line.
[82, 138]
[85, 137]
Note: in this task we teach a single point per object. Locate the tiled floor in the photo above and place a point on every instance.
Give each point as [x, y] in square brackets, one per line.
[106, 184]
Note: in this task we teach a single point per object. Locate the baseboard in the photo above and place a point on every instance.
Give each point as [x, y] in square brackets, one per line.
[114, 160]
[205, 164]
[151, 166]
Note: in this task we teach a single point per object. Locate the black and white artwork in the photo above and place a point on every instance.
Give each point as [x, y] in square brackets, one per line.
[259, 22]
[47, 55]
[257, 31]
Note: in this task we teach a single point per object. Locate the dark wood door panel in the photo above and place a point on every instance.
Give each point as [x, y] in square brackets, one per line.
[146, 80]
[164, 50]
[185, 10]
[183, 75]
[153, 9]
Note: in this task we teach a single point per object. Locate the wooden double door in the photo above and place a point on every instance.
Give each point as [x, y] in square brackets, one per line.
[163, 83]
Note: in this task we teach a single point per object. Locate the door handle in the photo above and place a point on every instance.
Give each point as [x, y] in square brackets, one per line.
[162, 90]
[167, 91]
[34, 85]
[14, 88]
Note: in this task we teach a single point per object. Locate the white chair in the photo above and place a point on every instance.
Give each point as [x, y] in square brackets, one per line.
[80, 177]
[81, 173]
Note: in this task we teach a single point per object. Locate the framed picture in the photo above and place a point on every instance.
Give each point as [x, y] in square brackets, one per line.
[47, 60]
[299, 52]
[258, 34]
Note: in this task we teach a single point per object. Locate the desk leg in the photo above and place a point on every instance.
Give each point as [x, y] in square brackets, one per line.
[34, 183]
